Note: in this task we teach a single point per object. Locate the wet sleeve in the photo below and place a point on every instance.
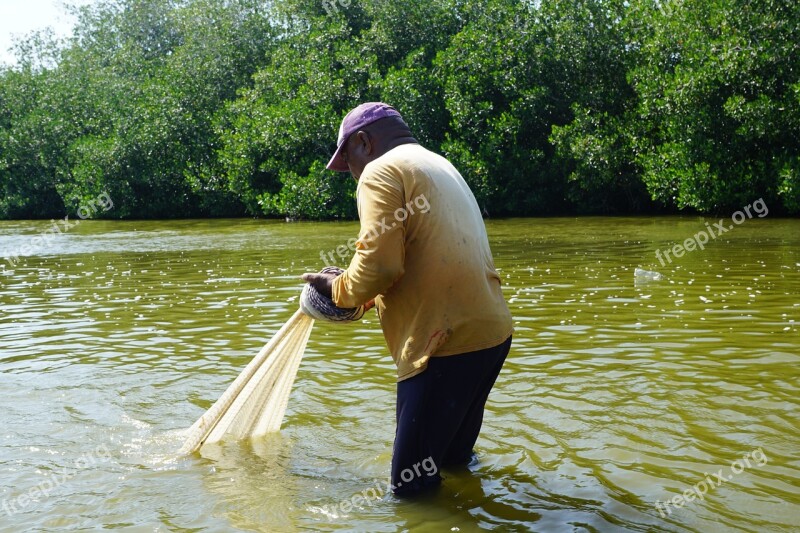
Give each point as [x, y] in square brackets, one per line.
[380, 250]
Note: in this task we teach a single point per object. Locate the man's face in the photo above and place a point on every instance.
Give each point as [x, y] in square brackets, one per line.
[357, 152]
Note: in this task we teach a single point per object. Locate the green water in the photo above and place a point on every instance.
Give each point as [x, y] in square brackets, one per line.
[617, 394]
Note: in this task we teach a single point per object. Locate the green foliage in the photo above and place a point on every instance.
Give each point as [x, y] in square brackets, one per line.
[593, 146]
[30, 134]
[716, 105]
[129, 108]
[276, 137]
[183, 108]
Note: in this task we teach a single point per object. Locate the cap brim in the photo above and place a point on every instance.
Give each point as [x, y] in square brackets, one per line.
[337, 163]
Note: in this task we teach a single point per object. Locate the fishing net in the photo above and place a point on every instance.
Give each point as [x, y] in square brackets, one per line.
[254, 404]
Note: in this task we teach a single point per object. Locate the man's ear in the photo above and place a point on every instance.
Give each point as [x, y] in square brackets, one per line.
[364, 142]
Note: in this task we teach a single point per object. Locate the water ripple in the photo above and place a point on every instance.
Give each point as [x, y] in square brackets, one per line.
[616, 395]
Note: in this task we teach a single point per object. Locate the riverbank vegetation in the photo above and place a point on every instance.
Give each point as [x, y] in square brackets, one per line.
[185, 108]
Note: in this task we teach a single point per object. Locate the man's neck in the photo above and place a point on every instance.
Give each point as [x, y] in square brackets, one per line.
[394, 143]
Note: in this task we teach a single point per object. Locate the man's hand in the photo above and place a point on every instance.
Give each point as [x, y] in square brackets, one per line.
[323, 282]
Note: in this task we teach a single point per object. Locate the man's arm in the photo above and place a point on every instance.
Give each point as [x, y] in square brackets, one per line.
[380, 249]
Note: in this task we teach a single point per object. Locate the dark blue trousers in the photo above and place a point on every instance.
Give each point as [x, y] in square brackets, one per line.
[439, 416]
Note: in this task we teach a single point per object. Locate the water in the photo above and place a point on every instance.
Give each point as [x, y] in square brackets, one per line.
[617, 394]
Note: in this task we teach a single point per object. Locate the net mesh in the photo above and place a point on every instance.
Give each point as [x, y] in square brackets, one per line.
[254, 404]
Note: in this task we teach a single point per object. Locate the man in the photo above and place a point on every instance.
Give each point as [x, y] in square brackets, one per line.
[423, 257]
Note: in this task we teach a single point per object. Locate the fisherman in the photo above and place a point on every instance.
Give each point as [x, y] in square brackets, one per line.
[423, 256]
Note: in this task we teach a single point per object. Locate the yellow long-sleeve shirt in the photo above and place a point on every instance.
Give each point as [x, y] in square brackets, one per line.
[423, 254]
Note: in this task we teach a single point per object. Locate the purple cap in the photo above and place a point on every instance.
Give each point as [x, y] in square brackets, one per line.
[356, 119]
